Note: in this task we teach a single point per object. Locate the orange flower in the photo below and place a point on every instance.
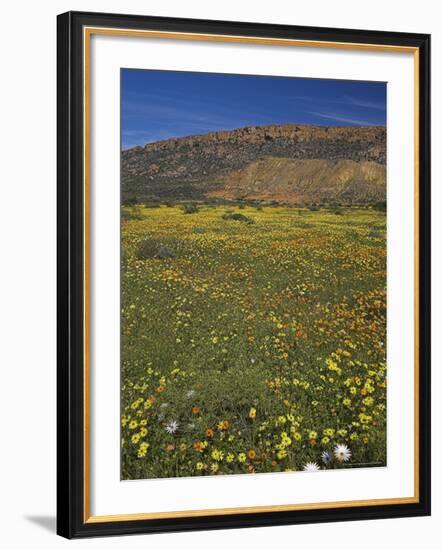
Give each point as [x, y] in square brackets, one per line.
[299, 333]
[312, 442]
[198, 446]
[160, 389]
[251, 454]
[196, 410]
[363, 391]
[209, 432]
[223, 425]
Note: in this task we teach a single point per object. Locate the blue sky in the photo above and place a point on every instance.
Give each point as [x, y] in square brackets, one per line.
[158, 105]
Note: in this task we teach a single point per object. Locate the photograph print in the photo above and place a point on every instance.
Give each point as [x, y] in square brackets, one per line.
[253, 274]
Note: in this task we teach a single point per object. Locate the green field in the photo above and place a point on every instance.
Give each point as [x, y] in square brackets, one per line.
[252, 347]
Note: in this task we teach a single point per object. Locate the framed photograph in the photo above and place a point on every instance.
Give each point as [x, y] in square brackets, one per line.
[243, 274]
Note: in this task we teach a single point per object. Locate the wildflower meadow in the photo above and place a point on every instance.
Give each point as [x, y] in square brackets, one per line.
[253, 339]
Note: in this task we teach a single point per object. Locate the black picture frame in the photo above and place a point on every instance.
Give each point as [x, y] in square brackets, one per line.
[71, 520]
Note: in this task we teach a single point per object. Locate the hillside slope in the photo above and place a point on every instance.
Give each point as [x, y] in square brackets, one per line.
[306, 181]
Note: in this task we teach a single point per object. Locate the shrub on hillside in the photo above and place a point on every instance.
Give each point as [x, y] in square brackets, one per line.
[236, 216]
[150, 248]
[380, 206]
[130, 201]
[337, 211]
[374, 234]
[190, 208]
[133, 213]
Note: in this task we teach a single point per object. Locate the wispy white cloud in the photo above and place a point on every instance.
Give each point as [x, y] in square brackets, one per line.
[345, 100]
[379, 106]
[339, 118]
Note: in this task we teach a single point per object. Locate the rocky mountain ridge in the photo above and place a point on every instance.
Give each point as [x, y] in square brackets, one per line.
[196, 167]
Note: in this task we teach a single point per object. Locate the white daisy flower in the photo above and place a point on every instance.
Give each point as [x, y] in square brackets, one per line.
[342, 453]
[311, 467]
[326, 457]
[190, 393]
[172, 427]
[164, 405]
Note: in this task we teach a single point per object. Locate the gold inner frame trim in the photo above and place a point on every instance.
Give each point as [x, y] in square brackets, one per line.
[87, 34]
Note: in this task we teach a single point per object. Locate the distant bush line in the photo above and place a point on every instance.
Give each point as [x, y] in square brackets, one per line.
[194, 206]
